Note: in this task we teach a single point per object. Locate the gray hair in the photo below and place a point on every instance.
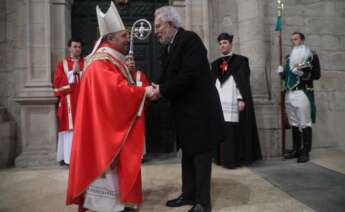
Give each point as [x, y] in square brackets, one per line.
[169, 14]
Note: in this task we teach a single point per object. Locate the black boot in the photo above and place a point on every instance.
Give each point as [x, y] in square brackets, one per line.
[311, 140]
[304, 157]
[296, 144]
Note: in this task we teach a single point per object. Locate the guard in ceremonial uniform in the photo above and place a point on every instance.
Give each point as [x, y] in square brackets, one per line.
[301, 69]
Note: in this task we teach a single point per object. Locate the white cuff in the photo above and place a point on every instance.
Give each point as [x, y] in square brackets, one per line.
[239, 96]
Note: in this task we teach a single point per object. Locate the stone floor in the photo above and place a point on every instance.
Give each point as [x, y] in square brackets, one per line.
[240, 190]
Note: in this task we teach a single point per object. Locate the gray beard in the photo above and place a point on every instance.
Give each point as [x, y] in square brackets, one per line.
[165, 41]
[299, 55]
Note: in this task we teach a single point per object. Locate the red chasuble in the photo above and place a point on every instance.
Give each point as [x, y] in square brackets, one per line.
[107, 129]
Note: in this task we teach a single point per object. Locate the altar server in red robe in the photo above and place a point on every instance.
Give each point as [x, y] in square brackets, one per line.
[66, 87]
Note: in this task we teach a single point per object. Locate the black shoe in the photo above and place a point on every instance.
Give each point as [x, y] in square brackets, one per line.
[292, 154]
[199, 208]
[303, 158]
[145, 159]
[179, 201]
[62, 163]
[128, 209]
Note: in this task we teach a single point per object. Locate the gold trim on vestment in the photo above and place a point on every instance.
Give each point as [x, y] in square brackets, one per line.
[106, 56]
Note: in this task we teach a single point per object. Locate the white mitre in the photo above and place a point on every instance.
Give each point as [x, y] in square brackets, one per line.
[108, 22]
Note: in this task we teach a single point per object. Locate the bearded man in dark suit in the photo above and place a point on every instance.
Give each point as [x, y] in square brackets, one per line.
[186, 82]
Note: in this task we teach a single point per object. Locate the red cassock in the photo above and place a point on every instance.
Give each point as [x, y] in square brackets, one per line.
[107, 128]
[67, 93]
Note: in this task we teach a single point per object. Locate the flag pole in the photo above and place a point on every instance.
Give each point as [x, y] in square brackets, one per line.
[279, 27]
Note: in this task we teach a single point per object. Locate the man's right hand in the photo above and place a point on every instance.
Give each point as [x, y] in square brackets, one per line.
[152, 92]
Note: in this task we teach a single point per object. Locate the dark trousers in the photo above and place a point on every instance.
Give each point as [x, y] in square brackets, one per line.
[196, 177]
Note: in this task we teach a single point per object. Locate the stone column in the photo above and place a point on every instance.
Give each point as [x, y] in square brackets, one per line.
[35, 93]
[252, 41]
[61, 29]
[197, 19]
[223, 18]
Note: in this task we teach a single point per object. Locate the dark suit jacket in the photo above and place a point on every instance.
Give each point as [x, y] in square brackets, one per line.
[186, 81]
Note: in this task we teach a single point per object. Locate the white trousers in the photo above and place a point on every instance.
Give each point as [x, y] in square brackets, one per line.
[297, 107]
[64, 146]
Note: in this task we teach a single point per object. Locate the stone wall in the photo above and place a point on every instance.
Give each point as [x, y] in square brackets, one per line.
[8, 23]
[3, 45]
[8, 79]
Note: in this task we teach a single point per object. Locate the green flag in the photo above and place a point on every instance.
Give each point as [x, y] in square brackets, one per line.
[279, 23]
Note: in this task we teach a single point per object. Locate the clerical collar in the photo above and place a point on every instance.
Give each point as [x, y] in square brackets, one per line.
[227, 55]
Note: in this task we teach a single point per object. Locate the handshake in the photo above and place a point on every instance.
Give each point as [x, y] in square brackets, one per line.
[152, 92]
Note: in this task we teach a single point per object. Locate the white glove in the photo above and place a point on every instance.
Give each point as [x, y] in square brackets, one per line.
[279, 70]
[297, 72]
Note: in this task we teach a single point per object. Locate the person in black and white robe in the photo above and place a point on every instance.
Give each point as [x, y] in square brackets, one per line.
[231, 73]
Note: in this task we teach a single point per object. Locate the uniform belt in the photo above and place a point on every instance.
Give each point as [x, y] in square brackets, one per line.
[295, 88]
[300, 87]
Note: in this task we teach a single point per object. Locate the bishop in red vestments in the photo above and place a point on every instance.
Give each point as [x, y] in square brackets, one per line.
[109, 128]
